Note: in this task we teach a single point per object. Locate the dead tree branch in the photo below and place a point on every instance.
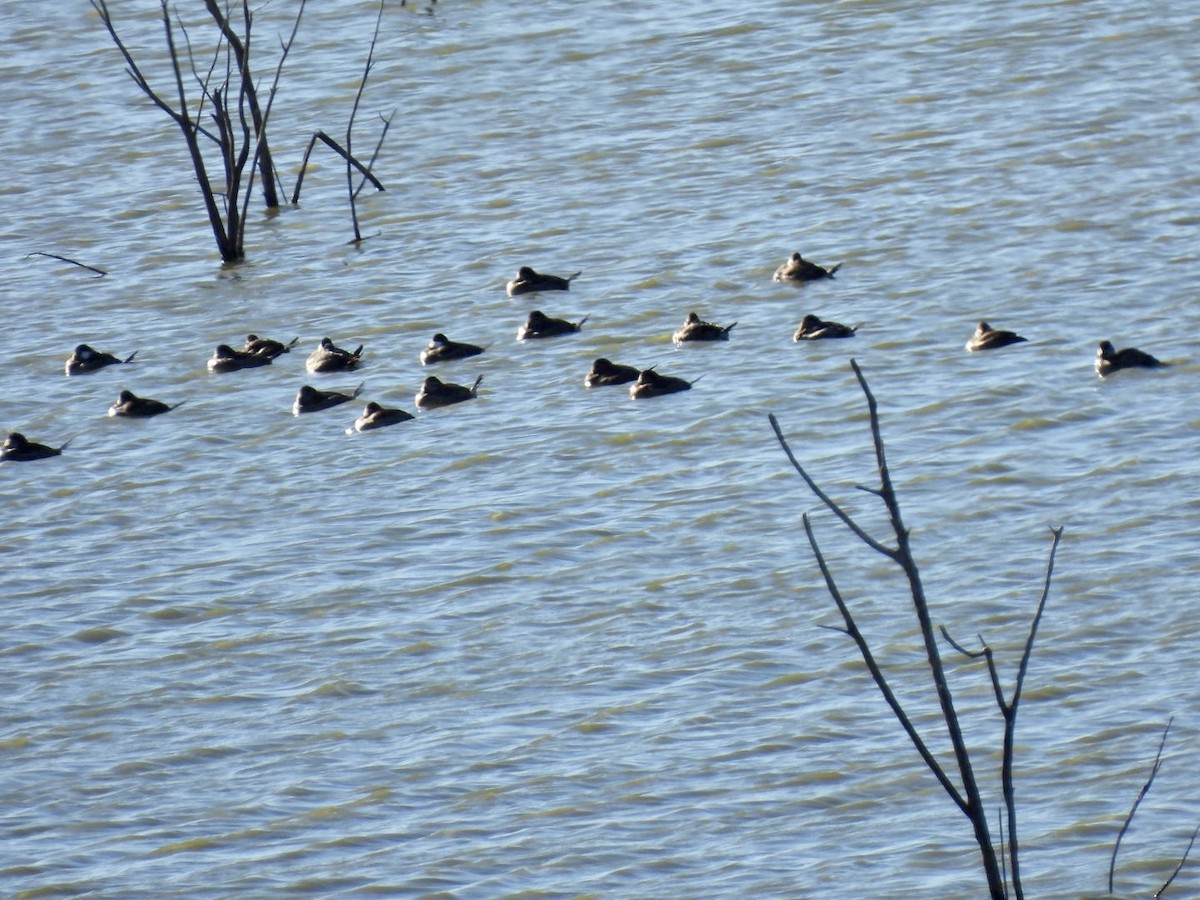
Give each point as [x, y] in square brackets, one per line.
[967, 798]
[100, 273]
[227, 115]
[1112, 863]
[1162, 890]
[346, 151]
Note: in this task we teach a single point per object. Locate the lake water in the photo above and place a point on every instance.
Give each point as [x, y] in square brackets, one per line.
[554, 642]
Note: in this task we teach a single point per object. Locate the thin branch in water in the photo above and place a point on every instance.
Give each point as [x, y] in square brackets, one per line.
[1112, 864]
[387, 123]
[100, 273]
[825, 498]
[362, 86]
[336, 148]
[1179, 867]
[880, 679]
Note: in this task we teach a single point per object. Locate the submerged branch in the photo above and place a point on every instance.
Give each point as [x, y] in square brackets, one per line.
[99, 272]
[1179, 867]
[1112, 863]
[336, 148]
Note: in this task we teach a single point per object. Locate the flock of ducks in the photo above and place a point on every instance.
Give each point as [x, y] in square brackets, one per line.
[435, 393]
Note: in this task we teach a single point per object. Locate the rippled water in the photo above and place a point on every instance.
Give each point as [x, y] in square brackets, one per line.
[554, 642]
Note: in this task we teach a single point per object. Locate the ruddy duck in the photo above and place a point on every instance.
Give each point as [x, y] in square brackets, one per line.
[693, 329]
[528, 281]
[227, 359]
[309, 399]
[435, 393]
[988, 338]
[267, 347]
[18, 448]
[442, 349]
[376, 416]
[131, 406]
[85, 359]
[329, 358]
[540, 325]
[1109, 360]
[605, 373]
[813, 328]
[797, 268]
[650, 384]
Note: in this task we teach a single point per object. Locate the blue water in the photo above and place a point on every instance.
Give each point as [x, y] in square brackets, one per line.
[554, 642]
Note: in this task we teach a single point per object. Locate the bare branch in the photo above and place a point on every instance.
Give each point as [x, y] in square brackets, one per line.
[824, 498]
[970, 800]
[387, 123]
[99, 272]
[1112, 864]
[972, 654]
[362, 86]
[1037, 618]
[336, 148]
[1179, 867]
[880, 678]
[131, 66]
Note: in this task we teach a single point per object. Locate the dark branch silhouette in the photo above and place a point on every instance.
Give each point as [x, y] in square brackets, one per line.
[1112, 863]
[346, 151]
[1162, 890]
[100, 273]
[967, 797]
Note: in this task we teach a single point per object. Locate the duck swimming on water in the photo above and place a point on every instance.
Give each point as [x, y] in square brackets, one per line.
[18, 448]
[376, 416]
[436, 393]
[227, 359]
[267, 347]
[527, 281]
[131, 406]
[797, 268]
[84, 359]
[693, 329]
[309, 399]
[814, 328]
[442, 349]
[330, 358]
[605, 373]
[988, 338]
[540, 325]
[652, 384]
[1109, 360]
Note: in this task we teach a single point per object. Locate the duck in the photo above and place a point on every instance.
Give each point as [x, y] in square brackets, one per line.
[436, 393]
[988, 338]
[814, 328]
[131, 406]
[376, 416]
[267, 347]
[604, 373]
[227, 359]
[442, 349]
[309, 399]
[527, 281]
[330, 358]
[540, 325]
[1109, 360]
[797, 268]
[84, 359]
[651, 384]
[693, 329]
[18, 448]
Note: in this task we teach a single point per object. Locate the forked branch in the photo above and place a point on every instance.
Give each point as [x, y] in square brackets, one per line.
[967, 798]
